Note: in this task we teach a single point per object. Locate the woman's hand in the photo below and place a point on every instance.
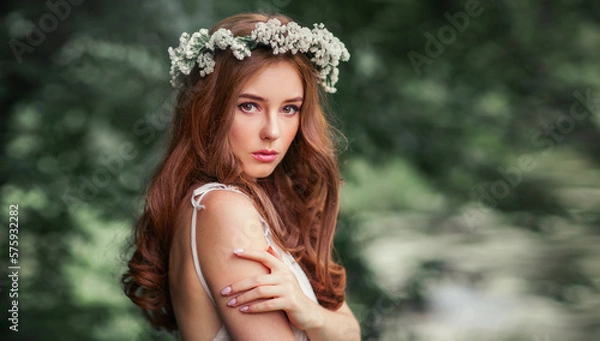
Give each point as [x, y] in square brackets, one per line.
[278, 290]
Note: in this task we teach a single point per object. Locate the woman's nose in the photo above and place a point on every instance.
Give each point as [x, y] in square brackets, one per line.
[270, 130]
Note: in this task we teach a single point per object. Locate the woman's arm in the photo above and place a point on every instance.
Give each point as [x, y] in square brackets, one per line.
[280, 291]
[230, 221]
[334, 325]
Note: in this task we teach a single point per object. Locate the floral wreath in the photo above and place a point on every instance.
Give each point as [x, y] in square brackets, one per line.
[321, 46]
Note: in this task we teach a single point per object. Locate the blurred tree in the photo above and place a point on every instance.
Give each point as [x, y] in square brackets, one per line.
[473, 131]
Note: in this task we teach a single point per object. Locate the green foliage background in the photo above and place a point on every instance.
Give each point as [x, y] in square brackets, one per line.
[472, 196]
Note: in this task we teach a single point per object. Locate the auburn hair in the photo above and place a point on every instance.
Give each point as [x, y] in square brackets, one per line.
[299, 200]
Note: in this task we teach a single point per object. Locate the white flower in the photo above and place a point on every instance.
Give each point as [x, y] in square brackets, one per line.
[239, 49]
[206, 64]
[322, 47]
[222, 39]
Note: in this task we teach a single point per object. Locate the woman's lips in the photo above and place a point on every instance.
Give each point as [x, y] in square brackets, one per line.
[265, 155]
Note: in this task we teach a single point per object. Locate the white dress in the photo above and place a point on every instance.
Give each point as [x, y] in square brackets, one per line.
[199, 193]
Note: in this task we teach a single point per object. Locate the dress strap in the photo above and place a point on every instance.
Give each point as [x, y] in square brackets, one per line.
[200, 192]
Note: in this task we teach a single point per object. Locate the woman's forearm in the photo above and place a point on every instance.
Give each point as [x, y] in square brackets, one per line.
[334, 325]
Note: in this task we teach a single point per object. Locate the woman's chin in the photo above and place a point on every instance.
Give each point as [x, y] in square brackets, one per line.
[258, 173]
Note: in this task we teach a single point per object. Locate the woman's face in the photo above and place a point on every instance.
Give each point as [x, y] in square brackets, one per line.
[267, 116]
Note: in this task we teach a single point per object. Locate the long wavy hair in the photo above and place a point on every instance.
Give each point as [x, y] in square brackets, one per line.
[299, 200]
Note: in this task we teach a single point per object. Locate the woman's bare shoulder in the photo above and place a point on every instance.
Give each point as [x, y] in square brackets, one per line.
[217, 202]
[228, 221]
[224, 217]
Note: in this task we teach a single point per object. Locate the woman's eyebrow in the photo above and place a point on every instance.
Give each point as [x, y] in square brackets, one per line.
[260, 99]
[253, 97]
[295, 99]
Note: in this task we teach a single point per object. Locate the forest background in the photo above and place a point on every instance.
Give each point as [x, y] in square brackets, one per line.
[471, 204]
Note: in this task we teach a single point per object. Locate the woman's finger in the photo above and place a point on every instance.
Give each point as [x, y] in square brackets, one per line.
[274, 252]
[250, 283]
[264, 257]
[258, 293]
[261, 307]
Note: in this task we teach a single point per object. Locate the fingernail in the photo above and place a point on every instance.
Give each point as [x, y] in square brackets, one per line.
[273, 250]
[238, 250]
[244, 308]
[232, 302]
[226, 290]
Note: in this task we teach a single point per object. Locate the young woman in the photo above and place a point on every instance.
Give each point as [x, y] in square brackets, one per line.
[235, 239]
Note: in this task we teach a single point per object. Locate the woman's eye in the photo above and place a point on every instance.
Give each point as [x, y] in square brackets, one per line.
[247, 107]
[290, 109]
